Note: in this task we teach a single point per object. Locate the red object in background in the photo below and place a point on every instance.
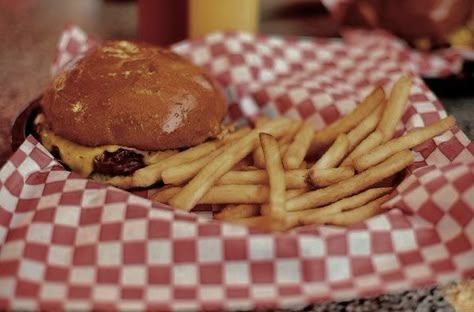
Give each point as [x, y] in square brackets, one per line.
[411, 20]
[162, 22]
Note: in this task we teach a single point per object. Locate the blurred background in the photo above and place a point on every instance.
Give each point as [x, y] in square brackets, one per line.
[30, 29]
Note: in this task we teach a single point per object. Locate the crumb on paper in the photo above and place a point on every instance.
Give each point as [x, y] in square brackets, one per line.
[461, 295]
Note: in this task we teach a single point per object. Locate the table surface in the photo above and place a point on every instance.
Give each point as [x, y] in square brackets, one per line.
[29, 30]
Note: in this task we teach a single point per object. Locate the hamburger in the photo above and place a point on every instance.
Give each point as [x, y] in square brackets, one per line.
[125, 106]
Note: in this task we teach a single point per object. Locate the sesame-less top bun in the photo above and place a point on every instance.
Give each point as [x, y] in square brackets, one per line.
[134, 95]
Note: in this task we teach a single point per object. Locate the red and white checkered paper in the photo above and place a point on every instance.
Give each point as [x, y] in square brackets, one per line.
[430, 64]
[67, 242]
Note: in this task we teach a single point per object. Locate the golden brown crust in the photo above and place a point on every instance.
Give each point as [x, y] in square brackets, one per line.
[134, 95]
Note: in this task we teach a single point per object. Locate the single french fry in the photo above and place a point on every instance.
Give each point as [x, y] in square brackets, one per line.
[283, 142]
[353, 185]
[190, 195]
[295, 192]
[313, 215]
[326, 136]
[368, 144]
[350, 217]
[231, 212]
[235, 194]
[335, 154]
[293, 178]
[326, 177]
[297, 150]
[242, 167]
[396, 104]
[409, 140]
[276, 177]
[366, 126]
[220, 194]
[164, 194]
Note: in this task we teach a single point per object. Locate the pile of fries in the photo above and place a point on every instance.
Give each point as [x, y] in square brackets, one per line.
[282, 174]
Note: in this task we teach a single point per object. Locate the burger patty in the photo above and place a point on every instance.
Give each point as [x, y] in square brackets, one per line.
[120, 162]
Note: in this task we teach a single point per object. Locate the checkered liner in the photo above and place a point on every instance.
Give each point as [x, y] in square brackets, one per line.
[67, 242]
[440, 63]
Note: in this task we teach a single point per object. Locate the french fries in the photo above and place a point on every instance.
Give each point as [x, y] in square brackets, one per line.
[257, 154]
[265, 209]
[350, 217]
[284, 142]
[225, 194]
[327, 135]
[163, 195]
[259, 177]
[294, 179]
[368, 144]
[222, 194]
[235, 194]
[184, 172]
[178, 174]
[232, 212]
[189, 196]
[297, 150]
[325, 177]
[315, 215]
[353, 185]
[335, 154]
[150, 176]
[409, 140]
[395, 107]
[366, 127]
[276, 176]
[160, 156]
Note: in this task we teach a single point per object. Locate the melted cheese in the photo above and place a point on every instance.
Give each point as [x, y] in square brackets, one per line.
[78, 157]
[81, 158]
